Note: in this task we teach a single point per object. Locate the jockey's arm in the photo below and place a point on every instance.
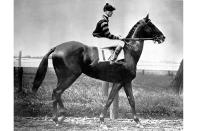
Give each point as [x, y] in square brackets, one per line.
[106, 32]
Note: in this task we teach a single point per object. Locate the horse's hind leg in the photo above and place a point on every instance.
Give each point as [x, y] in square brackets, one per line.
[66, 76]
[62, 85]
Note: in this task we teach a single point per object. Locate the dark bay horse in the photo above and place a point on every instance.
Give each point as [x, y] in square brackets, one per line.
[71, 59]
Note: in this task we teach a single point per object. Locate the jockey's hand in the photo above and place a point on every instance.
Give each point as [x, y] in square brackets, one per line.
[121, 38]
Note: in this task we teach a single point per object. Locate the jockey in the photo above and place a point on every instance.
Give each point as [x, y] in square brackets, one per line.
[102, 30]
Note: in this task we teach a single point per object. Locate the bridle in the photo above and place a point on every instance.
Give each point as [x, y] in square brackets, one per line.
[127, 40]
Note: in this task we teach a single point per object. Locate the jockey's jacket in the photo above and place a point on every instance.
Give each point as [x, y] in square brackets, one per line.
[102, 29]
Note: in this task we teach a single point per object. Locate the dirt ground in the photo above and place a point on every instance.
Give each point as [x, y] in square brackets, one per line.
[93, 124]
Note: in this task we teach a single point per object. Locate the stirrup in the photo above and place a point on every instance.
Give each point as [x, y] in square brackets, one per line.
[111, 62]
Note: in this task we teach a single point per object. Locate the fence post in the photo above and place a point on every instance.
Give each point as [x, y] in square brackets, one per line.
[114, 107]
[105, 87]
[20, 73]
[143, 72]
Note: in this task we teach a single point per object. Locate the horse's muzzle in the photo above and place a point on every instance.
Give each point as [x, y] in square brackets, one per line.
[159, 39]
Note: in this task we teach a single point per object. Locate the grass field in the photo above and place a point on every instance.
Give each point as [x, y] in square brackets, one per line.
[153, 95]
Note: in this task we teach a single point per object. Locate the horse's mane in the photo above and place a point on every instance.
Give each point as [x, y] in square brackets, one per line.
[132, 30]
[128, 36]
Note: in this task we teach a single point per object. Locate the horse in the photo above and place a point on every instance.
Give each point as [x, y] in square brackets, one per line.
[71, 59]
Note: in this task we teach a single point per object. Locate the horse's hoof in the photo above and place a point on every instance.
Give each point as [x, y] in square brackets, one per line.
[103, 126]
[61, 119]
[55, 120]
[102, 119]
[56, 123]
[139, 125]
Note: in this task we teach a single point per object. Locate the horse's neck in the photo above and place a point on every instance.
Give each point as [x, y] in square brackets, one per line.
[135, 50]
[136, 47]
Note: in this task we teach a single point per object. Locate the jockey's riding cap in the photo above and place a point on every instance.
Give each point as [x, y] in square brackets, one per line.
[108, 7]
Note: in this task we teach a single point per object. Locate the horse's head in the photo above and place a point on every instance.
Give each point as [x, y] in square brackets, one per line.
[146, 29]
[151, 31]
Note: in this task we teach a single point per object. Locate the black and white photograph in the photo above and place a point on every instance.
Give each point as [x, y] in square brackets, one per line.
[98, 65]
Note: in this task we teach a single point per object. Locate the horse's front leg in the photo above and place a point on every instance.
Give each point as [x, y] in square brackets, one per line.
[129, 93]
[114, 91]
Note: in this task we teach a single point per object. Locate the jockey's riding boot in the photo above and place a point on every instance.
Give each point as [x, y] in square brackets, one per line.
[94, 56]
[115, 54]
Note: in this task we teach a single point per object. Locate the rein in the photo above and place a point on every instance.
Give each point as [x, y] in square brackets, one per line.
[135, 39]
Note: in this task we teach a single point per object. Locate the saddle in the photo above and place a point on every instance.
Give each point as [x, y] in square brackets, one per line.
[97, 54]
[106, 53]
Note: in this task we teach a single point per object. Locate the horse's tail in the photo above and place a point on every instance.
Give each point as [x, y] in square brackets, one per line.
[41, 72]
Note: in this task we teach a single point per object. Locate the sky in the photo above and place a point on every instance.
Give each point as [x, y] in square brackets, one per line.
[42, 24]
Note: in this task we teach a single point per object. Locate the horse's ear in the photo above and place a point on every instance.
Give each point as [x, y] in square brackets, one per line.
[147, 17]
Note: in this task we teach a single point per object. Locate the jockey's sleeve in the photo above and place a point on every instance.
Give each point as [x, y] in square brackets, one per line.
[105, 30]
